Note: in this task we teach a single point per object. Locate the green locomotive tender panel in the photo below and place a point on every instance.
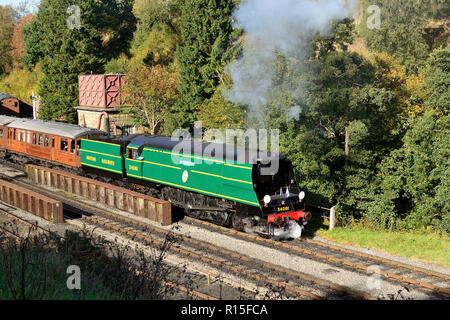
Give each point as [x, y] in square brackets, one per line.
[215, 177]
[102, 155]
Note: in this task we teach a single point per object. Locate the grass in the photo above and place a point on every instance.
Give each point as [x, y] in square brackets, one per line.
[429, 247]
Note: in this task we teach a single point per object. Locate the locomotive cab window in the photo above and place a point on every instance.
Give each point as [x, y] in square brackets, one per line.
[131, 154]
[64, 145]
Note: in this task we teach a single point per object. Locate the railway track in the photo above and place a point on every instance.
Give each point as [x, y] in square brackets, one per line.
[40, 229]
[345, 258]
[352, 259]
[226, 260]
[238, 264]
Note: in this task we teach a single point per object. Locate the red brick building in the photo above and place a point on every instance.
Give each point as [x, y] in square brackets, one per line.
[10, 106]
[99, 98]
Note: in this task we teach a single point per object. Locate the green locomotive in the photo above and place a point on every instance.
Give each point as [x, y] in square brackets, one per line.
[209, 181]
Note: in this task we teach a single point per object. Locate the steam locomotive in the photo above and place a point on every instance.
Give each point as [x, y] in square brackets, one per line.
[216, 182]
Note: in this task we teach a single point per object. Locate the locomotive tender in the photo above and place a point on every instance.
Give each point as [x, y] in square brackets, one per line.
[225, 186]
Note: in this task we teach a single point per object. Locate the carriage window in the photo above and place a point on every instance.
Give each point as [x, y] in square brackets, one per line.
[1, 132]
[46, 140]
[14, 134]
[64, 145]
[41, 140]
[28, 137]
[72, 146]
[34, 138]
[53, 142]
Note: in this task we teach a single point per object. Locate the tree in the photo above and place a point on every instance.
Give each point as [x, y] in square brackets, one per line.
[408, 89]
[205, 49]
[116, 24]
[18, 45]
[7, 21]
[218, 113]
[403, 31]
[414, 179]
[63, 53]
[65, 49]
[437, 80]
[335, 120]
[150, 92]
[21, 84]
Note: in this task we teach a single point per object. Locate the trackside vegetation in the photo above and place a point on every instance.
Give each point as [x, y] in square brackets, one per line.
[36, 267]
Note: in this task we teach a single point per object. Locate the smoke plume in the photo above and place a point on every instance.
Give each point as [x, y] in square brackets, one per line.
[284, 26]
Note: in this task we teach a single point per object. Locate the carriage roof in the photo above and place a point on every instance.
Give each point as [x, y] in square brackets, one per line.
[51, 127]
[5, 120]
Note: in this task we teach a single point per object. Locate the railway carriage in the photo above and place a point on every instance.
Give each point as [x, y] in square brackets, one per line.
[56, 142]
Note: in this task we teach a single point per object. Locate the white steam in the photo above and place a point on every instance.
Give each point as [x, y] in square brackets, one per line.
[291, 230]
[284, 26]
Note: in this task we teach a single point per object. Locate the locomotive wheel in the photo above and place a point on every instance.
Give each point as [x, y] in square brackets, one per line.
[236, 222]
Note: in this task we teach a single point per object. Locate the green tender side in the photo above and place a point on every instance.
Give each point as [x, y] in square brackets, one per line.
[101, 155]
[212, 177]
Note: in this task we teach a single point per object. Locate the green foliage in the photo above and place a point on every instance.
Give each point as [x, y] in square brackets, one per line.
[21, 84]
[368, 134]
[63, 54]
[414, 182]
[116, 24]
[415, 178]
[157, 33]
[206, 36]
[339, 93]
[217, 112]
[437, 73]
[403, 31]
[150, 91]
